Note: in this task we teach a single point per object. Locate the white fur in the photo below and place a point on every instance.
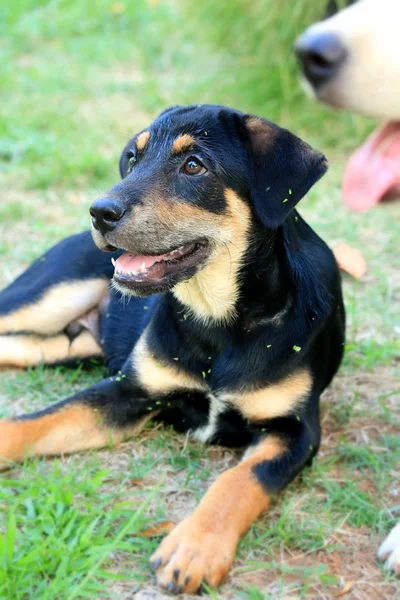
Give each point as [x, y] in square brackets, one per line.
[206, 432]
[390, 550]
[369, 79]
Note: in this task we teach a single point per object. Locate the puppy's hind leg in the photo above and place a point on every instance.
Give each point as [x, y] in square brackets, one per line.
[25, 351]
[57, 290]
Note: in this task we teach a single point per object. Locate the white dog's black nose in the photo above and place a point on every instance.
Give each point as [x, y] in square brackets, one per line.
[320, 55]
[105, 214]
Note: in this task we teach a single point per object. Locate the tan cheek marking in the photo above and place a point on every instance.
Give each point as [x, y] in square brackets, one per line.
[213, 292]
[167, 221]
[273, 401]
[59, 306]
[175, 213]
[157, 378]
[142, 140]
[65, 431]
[182, 143]
[29, 350]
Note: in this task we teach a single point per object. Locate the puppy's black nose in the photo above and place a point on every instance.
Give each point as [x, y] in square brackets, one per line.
[105, 214]
[320, 55]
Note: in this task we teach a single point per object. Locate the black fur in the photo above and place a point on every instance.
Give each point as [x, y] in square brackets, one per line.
[287, 269]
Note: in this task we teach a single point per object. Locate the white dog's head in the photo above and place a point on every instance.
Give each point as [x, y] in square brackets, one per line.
[352, 61]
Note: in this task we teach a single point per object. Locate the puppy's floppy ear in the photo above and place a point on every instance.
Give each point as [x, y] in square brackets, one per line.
[282, 169]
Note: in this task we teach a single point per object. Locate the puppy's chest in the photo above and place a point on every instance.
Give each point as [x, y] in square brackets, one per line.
[223, 424]
[229, 406]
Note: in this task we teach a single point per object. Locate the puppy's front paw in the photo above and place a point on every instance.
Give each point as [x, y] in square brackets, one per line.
[390, 550]
[193, 554]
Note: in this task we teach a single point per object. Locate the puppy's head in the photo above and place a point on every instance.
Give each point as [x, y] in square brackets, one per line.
[192, 183]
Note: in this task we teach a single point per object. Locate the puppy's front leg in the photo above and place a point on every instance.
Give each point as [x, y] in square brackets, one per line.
[106, 413]
[202, 547]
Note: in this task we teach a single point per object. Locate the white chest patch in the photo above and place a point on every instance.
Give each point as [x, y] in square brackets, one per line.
[206, 432]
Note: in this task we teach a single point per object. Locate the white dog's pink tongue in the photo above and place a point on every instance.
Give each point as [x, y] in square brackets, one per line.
[374, 169]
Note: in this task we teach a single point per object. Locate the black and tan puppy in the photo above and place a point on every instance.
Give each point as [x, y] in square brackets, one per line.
[235, 327]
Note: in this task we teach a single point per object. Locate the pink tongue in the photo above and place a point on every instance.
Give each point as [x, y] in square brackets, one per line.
[130, 263]
[373, 169]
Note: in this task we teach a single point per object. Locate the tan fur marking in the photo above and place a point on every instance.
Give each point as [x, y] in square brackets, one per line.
[211, 534]
[58, 307]
[236, 498]
[70, 429]
[174, 211]
[166, 222]
[273, 401]
[158, 378]
[213, 292]
[29, 350]
[261, 133]
[142, 140]
[182, 143]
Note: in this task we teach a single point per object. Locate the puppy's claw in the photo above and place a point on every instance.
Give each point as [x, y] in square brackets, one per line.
[155, 563]
[179, 589]
[192, 555]
[172, 588]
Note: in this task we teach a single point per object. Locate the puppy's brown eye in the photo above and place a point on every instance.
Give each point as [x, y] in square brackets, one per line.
[194, 167]
[131, 162]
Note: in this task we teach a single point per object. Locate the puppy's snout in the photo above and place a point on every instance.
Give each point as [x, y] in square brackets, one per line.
[106, 213]
[321, 55]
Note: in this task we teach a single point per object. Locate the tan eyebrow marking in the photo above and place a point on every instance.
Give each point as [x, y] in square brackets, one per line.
[183, 142]
[142, 140]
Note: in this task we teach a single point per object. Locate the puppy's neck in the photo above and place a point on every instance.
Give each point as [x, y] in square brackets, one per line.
[244, 282]
[266, 292]
[212, 294]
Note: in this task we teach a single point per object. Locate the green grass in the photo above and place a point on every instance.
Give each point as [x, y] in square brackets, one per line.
[77, 80]
[64, 533]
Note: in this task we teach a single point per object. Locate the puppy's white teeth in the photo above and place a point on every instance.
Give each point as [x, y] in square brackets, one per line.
[174, 253]
[113, 262]
[143, 267]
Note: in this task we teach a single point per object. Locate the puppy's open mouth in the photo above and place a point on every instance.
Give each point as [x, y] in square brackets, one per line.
[149, 271]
